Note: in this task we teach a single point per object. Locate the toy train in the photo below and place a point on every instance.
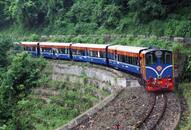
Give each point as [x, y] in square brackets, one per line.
[155, 66]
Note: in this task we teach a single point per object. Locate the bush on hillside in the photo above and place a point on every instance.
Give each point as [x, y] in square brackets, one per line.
[23, 73]
[5, 45]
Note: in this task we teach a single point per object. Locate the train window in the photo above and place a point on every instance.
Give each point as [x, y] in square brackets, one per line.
[90, 53]
[134, 60]
[122, 58]
[162, 59]
[30, 48]
[116, 57]
[33, 48]
[102, 54]
[74, 52]
[66, 50]
[130, 60]
[111, 56]
[165, 57]
[47, 50]
[78, 52]
[168, 59]
[93, 53]
[63, 50]
[81, 52]
[126, 59]
[151, 59]
[26, 48]
[54, 50]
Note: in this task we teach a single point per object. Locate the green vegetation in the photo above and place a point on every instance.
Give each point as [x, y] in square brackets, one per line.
[22, 74]
[148, 17]
[28, 20]
[22, 108]
[49, 111]
[185, 89]
[5, 45]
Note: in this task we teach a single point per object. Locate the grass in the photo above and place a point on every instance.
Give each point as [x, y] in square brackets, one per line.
[50, 112]
[185, 123]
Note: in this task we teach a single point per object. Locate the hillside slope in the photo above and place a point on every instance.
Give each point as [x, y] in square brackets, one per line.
[148, 17]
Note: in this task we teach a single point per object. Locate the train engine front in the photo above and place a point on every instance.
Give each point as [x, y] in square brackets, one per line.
[157, 70]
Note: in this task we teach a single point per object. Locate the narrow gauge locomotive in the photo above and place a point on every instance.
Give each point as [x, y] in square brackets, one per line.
[153, 65]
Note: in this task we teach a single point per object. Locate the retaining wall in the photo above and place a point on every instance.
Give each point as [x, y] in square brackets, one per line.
[103, 77]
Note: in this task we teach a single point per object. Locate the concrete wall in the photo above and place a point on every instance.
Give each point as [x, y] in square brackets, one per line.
[101, 76]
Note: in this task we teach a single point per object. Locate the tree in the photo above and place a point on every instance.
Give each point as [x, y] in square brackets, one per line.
[96, 12]
[146, 10]
[5, 45]
[32, 13]
[4, 17]
[28, 12]
[22, 75]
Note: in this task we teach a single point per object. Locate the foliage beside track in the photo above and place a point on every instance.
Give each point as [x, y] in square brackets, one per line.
[19, 73]
[185, 91]
[22, 74]
[5, 45]
[51, 111]
[20, 109]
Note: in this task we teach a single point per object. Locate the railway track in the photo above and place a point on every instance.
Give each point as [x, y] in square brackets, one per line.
[132, 109]
[150, 121]
[130, 112]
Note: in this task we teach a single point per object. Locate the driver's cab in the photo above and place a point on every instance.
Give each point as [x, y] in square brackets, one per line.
[158, 64]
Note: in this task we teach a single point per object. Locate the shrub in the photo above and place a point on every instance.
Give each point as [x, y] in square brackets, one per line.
[178, 28]
[34, 37]
[183, 29]
[5, 45]
[85, 28]
[23, 74]
[146, 10]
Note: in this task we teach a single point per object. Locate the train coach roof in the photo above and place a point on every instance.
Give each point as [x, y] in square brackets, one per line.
[54, 44]
[155, 49]
[131, 49]
[101, 46]
[29, 43]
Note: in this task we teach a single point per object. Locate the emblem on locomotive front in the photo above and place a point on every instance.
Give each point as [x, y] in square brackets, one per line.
[159, 68]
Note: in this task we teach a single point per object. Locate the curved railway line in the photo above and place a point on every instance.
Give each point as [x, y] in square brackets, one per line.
[132, 109]
[149, 117]
[158, 108]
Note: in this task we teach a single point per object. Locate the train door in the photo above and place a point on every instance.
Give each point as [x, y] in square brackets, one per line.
[116, 58]
[55, 53]
[143, 67]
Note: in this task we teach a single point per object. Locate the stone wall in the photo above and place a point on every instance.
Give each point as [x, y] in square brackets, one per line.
[99, 75]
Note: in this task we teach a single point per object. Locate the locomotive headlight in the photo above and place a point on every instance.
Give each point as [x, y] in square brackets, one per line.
[159, 77]
[158, 54]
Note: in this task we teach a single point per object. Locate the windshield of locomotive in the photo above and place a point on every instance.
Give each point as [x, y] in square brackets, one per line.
[158, 57]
